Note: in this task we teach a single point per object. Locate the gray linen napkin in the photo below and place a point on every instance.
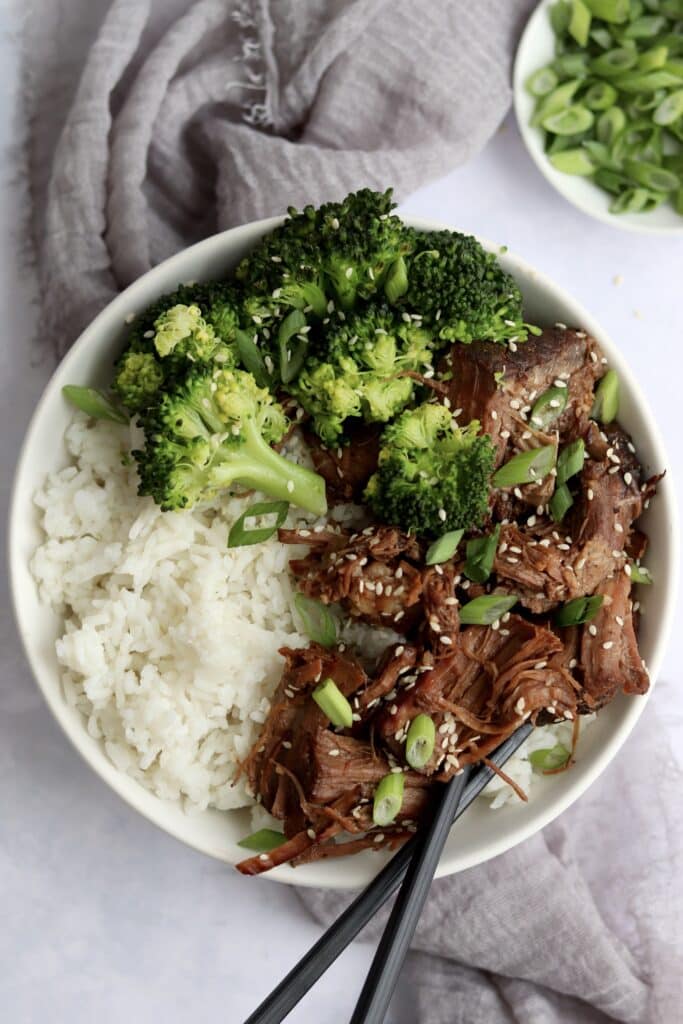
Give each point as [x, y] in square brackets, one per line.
[156, 123]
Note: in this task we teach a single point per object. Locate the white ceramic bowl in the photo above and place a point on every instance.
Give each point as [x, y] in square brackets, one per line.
[482, 833]
[536, 48]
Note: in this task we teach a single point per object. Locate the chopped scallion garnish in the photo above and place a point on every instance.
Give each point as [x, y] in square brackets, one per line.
[526, 467]
[420, 741]
[396, 283]
[606, 404]
[333, 703]
[488, 608]
[388, 798]
[570, 461]
[318, 622]
[550, 758]
[548, 406]
[240, 536]
[443, 548]
[252, 359]
[581, 609]
[639, 574]
[560, 503]
[263, 841]
[292, 352]
[94, 403]
[481, 552]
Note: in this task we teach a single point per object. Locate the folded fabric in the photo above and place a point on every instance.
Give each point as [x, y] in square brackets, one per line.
[154, 124]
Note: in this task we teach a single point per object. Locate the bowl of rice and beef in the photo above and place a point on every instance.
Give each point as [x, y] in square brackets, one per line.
[350, 510]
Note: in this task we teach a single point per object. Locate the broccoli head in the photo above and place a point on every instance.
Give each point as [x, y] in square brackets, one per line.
[214, 430]
[432, 476]
[357, 370]
[196, 323]
[461, 291]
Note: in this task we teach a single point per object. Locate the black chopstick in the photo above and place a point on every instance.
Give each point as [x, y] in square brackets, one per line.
[343, 931]
[380, 983]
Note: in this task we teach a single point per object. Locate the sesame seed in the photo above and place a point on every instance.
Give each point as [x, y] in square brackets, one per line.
[505, 434]
[608, 644]
[494, 414]
[560, 383]
[589, 494]
[379, 838]
[562, 327]
[539, 665]
[517, 492]
[442, 515]
[627, 478]
[393, 709]
[618, 619]
[335, 223]
[445, 640]
[335, 752]
[627, 569]
[619, 528]
[263, 856]
[573, 663]
[593, 630]
[531, 521]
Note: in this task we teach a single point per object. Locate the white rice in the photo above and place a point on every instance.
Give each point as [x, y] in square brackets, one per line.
[170, 643]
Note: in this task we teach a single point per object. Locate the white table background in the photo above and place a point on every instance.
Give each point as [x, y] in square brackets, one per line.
[102, 916]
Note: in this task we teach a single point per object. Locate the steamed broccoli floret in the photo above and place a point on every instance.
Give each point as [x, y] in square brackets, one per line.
[432, 475]
[138, 379]
[354, 371]
[215, 430]
[461, 291]
[196, 323]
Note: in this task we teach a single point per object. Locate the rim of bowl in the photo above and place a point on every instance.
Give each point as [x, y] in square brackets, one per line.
[451, 862]
[562, 183]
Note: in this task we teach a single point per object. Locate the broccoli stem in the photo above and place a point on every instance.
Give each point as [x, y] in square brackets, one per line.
[255, 464]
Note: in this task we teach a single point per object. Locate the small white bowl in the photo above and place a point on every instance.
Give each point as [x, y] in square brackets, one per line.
[536, 49]
[481, 833]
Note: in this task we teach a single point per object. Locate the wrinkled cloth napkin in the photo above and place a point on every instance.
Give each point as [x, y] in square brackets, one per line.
[153, 124]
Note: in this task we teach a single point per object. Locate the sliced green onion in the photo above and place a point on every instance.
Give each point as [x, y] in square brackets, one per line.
[572, 121]
[648, 82]
[646, 27]
[542, 82]
[550, 758]
[651, 176]
[548, 406]
[639, 574]
[420, 741]
[600, 96]
[526, 468]
[570, 461]
[571, 65]
[580, 22]
[252, 359]
[94, 403]
[602, 37]
[291, 352]
[263, 841]
[560, 503]
[481, 552]
[581, 609]
[488, 608]
[388, 798]
[611, 181]
[318, 622]
[610, 123]
[396, 283]
[560, 15]
[333, 703]
[606, 404]
[637, 200]
[614, 11]
[670, 109]
[653, 58]
[555, 101]
[240, 536]
[443, 548]
[614, 62]
[573, 161]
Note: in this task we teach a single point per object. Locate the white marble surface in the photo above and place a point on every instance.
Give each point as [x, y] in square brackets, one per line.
[104, 917]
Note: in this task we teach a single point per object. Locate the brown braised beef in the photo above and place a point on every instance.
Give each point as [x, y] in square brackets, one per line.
[477, 683]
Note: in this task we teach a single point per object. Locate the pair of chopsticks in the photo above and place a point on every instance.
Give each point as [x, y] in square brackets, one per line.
[414, 866]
